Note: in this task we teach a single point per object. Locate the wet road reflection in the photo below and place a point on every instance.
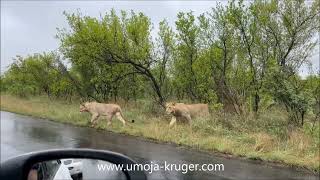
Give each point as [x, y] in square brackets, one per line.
[22, 134]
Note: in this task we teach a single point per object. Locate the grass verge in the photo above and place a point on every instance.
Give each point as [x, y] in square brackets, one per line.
[266, 138]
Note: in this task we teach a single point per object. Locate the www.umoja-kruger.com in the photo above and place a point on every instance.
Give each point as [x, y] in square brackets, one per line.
[151, 167]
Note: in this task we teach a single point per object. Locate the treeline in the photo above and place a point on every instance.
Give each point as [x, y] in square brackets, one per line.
[240, 57]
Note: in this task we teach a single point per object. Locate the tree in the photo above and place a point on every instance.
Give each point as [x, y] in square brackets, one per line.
[220, 46]
[34, 74]
[291, 27]
[118, 46]
[164, 51]
[186, 54]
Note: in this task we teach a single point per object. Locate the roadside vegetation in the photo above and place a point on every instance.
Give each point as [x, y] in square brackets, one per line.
[242, 59]
[265, 138]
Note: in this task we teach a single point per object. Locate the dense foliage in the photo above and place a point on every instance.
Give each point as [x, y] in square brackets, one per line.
[240, 57]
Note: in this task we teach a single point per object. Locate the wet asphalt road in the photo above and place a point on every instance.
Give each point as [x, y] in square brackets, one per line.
[22, 134]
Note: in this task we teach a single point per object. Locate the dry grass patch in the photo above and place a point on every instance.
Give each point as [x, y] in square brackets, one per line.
[263, 142]
[299, 141]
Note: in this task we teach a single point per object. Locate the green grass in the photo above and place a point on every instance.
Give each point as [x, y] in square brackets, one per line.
[266, 138]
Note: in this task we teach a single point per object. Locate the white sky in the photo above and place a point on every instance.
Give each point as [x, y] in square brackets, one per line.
[29, 27]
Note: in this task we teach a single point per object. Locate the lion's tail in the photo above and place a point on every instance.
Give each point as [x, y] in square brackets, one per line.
[132, 121]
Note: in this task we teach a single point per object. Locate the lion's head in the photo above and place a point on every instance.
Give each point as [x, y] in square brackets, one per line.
[83, 107]
[170, 107]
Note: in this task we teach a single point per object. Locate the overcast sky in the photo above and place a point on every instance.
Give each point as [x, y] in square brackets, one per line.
[29, 27]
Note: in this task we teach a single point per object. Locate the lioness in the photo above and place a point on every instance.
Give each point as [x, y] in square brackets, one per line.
[100, 109]
[186, 111]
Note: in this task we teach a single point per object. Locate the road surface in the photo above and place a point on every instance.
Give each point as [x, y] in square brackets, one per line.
[22, 134]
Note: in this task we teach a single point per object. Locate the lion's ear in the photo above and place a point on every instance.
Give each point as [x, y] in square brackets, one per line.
[173, 109]
[174, 103]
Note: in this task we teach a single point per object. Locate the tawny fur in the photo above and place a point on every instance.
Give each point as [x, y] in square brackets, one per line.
[100, 109]
[186, 111]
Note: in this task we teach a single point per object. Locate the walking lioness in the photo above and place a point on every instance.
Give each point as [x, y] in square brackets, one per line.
[187, 111]
[100, 109]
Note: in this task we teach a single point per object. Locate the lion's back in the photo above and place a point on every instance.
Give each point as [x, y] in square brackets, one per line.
[104, 109]
[198, 109]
